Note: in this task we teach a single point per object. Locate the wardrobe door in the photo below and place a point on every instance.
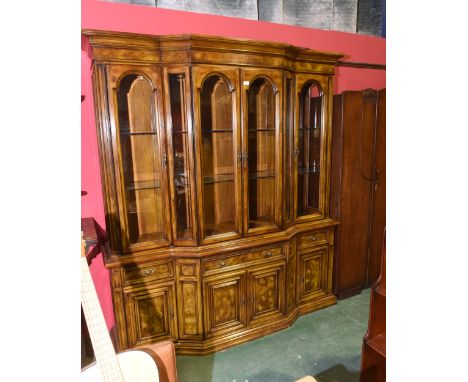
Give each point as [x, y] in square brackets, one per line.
[354, 137]
[216, 106]
[138, 145]
[261, 146]
[379, 195]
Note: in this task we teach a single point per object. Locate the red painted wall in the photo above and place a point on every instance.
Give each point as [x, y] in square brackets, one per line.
[102, 15]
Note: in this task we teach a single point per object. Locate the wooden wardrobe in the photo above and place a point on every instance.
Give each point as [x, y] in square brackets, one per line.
[358, 188]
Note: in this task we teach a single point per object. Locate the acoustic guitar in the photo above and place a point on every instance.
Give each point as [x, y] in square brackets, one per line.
[128, 366]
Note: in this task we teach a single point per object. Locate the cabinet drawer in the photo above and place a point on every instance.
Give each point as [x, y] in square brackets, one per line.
[242, 258]
[149, 272]
[312, 238]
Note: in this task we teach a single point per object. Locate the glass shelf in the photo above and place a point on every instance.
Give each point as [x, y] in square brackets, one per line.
[261, 221]
[262, 174]
[216, 131]
[308, 171]
[220, 178]
[150, 237]
[138, 133]
[144, 185]
[220, 228]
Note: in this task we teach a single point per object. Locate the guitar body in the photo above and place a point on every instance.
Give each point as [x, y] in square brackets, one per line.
[136, 366]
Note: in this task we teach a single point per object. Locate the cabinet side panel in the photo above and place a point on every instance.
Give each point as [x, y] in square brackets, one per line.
[117, 300]
[106, 159]
[189, 303]
[291, 276]
[356, 192]
[335, 178]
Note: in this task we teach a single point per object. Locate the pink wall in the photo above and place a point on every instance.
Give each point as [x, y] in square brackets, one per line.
[102, 15]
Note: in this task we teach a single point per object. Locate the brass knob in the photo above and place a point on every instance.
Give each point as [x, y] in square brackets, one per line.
[147, 272]
[268, 254]
[222, 263]
[242, 301]
[313, 237]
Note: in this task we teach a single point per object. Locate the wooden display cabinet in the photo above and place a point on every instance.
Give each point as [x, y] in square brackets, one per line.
[215, 163]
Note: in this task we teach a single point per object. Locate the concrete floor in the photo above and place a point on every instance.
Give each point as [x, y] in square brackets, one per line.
[325, 344]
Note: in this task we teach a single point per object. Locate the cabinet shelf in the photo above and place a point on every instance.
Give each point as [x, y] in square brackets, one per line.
[220, 228]
[216, 131]
[262, 174]
[303, 170]
[261, 130]
[138, 133]
[144, 185]
[219, 178]
[261, 221]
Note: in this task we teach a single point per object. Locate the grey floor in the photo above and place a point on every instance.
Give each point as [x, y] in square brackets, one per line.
[325, 344]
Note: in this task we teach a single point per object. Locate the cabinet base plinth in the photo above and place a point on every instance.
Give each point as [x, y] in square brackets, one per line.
[239, 337]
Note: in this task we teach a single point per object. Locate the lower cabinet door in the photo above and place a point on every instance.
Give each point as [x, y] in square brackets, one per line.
[313, 274]
[150, 313]
[225, 303]
[266, 291]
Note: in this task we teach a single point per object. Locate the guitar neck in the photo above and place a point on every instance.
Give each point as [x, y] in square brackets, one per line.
[102, 344]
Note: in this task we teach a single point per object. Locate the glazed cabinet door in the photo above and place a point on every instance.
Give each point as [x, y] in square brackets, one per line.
[312, 142]
[288, 150]
[266, 289]
[314, 274]
[262, 92]
[225, 303]
[179, 133]
[140, 160]
[150, 314]
[216, 110]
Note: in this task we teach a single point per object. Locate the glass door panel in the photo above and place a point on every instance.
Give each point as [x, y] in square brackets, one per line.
[288, 187]
[261, 147]
[309, 152]
[179, 144]
[141, 160]
[218, 160]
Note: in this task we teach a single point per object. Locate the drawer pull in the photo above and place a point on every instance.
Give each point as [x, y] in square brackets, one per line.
[148, 272]
[268, 254]
[313, 238]
[222, 263]
[242, 301]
